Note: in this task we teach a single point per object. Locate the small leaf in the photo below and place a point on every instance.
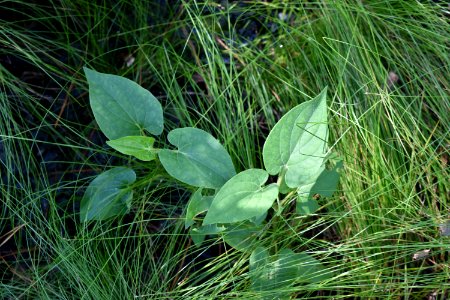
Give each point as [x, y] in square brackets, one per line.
[108, 195]
[200, 160]
[242, 198]
[324, 186]
[297, 143]
[421, 254]
[197, 204]
[140, 147]
[242, 236]
[121, 107]
[306, 206]
[198, 234]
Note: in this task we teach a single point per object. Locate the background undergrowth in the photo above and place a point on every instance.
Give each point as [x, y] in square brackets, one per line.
[232, 69]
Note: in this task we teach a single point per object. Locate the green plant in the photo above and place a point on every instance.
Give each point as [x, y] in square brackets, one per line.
[236, 205]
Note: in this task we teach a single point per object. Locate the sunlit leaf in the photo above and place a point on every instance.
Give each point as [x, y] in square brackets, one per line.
[297, 144]
[140, 147]
[242, 197]
[121, 107]
[200, 160]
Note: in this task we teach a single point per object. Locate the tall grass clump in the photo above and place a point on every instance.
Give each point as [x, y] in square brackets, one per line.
[232, 69]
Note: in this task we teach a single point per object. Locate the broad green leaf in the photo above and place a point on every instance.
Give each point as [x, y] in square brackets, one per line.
[108, 195]
[200, 160]
[324, 186]
[242, 198]
[297, 143]
[198, 234]
[242, 236]
[140, 147]
[197, 204]
[121, 107]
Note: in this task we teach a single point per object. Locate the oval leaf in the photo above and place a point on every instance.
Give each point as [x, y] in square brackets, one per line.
[140, 147]
[121, 107]
[108, 195]
[200, 159]
[297, 143]
[242, 198]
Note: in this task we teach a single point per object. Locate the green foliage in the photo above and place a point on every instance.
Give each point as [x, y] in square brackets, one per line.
[121, 107]
[393, 135]
[197, 204]
[276, 273]
[242, 197]
[140, 147]
[200, 160]
[324, 186]
[242, 236]
[295, 150]
[108, 195]
[297, 144]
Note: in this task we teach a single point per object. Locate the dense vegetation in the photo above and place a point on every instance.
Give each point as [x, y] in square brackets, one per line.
[232, 69]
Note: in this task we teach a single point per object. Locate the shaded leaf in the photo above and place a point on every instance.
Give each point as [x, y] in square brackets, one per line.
[242, 236]
[197, 204]
[259, 273]
[242, 197]
[309, 269]
[306, 206]
[198, 234]
[273, 274]
[140, 147]
[277, 272]
[200, 160]
[324, 186]
[121, 107]
[108, 195]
